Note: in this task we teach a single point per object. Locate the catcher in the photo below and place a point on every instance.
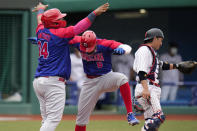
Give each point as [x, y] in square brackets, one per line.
[148, 91]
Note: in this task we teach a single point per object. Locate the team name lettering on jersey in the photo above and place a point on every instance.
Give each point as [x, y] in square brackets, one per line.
[44, 36]
[92, 57]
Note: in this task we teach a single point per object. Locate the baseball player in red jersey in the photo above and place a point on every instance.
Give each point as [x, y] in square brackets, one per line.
[96, 57]
[54, 60]
[148, 91]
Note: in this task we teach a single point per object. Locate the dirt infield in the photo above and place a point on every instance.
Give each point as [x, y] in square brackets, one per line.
[93, 117]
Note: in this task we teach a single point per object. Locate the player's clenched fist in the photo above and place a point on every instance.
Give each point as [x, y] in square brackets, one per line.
[39, 6]
[101, 9]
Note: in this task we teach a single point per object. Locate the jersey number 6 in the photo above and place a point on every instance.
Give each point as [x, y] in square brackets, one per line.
[43, 49]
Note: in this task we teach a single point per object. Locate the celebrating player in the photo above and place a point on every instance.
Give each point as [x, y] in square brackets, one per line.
[54, 60]
[148, 91]
[96, 56]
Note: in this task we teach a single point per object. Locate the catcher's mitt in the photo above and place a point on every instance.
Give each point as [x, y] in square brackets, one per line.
[187, 67]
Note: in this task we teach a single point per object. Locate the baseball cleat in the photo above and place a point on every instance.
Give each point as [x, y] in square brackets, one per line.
[132, 120]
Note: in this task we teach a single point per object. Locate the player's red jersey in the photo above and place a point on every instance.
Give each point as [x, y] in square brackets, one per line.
[99, 62]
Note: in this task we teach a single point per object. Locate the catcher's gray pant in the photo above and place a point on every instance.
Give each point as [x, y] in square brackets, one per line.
[51, 95]
[92, 89]
[149, 107]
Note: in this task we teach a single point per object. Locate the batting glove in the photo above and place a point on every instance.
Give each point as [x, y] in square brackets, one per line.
[119, 51]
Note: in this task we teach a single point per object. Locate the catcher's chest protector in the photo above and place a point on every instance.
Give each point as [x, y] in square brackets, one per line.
[151, 74]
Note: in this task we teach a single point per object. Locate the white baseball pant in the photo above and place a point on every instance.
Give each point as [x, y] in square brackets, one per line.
[154, 106]
[51, 95]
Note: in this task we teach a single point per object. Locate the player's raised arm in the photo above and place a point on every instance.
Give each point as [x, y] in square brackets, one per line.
[40, 10]
[85, 23]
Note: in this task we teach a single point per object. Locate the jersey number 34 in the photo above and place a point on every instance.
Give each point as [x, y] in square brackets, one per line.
[43, 49]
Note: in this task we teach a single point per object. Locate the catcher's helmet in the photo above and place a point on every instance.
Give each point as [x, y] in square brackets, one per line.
[150, 34]
[88, 41]
[52, 18]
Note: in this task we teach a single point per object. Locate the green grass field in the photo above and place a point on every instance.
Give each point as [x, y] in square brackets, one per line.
[97, 126]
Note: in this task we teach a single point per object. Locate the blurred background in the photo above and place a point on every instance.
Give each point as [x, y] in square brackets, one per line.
[126, 21]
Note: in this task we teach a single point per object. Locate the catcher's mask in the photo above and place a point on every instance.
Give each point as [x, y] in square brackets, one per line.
[88, 41]
[52, 19]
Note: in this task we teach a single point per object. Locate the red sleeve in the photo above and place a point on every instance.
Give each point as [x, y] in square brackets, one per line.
[109, 43]
[76, 39]
[67, 32]
[82, 26]
[39, 27]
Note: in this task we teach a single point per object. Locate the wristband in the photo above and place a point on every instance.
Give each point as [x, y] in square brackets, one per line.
[91, 16]
[165, 66]
[175, 66]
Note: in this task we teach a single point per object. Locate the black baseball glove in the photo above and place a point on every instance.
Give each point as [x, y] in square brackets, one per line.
[186, 67]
